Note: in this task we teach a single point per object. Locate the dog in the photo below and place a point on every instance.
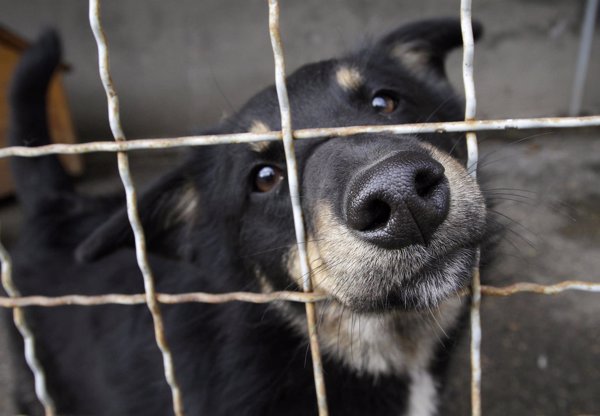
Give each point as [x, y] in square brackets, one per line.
[393, 224]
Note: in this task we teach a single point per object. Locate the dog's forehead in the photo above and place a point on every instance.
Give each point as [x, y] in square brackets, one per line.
[339, 92]
[320, 94]
[349, 74]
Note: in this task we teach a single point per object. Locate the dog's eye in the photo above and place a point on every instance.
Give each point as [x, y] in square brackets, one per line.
[384, 103]
[267, 177]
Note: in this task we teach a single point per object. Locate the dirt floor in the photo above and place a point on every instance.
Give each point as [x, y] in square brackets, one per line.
[541, 354]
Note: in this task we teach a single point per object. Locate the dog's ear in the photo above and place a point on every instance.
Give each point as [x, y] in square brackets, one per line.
[423, 46]
[167, 207]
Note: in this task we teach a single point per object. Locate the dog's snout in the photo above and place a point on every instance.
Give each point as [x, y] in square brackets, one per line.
[399, 201]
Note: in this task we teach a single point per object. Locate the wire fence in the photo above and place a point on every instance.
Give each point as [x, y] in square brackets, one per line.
[287, 135]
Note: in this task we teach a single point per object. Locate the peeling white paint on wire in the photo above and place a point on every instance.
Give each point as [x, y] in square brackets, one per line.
[252, 297]
[39, 377]
[292, 170]
[132, 211]
[473, 156]
[301, 134]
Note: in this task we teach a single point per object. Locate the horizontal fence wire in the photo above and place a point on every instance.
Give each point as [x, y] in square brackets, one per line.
[301, 134]
[292, 170]
[132, 210]
[282, 296]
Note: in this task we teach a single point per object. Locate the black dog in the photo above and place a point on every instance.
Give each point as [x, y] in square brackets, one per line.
[393, 223]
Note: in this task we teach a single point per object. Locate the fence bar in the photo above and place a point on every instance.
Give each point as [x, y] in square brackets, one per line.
[292, 169]
[472, 150]
[171, 299]
[132, 211]
[215, 298]
[476, 339]
[207, 140]
[39, 377]
[583, 59]
[524, 287]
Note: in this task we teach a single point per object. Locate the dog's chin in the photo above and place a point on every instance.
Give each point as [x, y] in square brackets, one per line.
[396, 300]
[424, 290]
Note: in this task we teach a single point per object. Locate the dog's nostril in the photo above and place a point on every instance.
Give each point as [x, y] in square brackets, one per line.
[426, 181]
[368, 214]
[379, 214]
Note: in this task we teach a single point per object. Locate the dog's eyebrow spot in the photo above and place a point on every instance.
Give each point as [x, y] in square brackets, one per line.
[348, 78]
[258, 127]
[413, 55]
[186, 206]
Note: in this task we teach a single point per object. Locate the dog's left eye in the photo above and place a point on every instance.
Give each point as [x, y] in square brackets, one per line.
[384, 103]
[267, 177]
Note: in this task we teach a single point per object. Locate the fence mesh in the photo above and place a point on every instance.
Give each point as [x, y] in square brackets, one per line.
[287, 135]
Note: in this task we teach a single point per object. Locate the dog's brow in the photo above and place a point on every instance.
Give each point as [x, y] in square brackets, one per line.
[412, 55]
[258, 126]
[348, 78]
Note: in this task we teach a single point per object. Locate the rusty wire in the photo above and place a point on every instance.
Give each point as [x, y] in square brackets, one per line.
[132, 210]
[473, 158]
[282, 296]
[166, 298]
[301, 134]
[583, 58]
[41, 390]
[475, 345]
[292, 170]
[524, 287]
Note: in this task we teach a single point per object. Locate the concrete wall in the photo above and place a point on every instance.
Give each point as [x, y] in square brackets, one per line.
[179, 65]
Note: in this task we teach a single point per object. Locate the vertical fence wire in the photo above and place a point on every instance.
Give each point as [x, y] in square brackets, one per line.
[41, 390]
[476, 338]
[132, 211]
[292, 170]
[583, 58]
[473, 156]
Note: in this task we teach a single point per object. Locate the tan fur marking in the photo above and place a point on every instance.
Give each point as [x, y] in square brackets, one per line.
[258, 127]
[185, 209]
[412, 56]
[348, 78]
[263, 282]
[314, 261]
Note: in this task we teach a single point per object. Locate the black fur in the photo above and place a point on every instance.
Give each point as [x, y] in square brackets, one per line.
[234, 358]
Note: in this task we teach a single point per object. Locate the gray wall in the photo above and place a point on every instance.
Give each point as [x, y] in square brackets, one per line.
[179, 65]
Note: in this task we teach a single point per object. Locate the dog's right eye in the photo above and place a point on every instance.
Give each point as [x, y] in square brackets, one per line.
[384, 103]
[267, 177]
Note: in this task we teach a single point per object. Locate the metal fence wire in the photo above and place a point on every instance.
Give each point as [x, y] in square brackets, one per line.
[287, 135]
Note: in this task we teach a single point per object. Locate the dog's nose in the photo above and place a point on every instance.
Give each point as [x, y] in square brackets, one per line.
[399, 201]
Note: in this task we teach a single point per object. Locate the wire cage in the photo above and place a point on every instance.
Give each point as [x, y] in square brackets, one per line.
[287, 135]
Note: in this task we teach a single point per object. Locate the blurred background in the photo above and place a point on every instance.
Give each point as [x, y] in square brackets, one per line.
[179, 66]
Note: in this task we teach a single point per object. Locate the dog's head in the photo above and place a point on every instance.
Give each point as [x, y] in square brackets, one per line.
[392, 221]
